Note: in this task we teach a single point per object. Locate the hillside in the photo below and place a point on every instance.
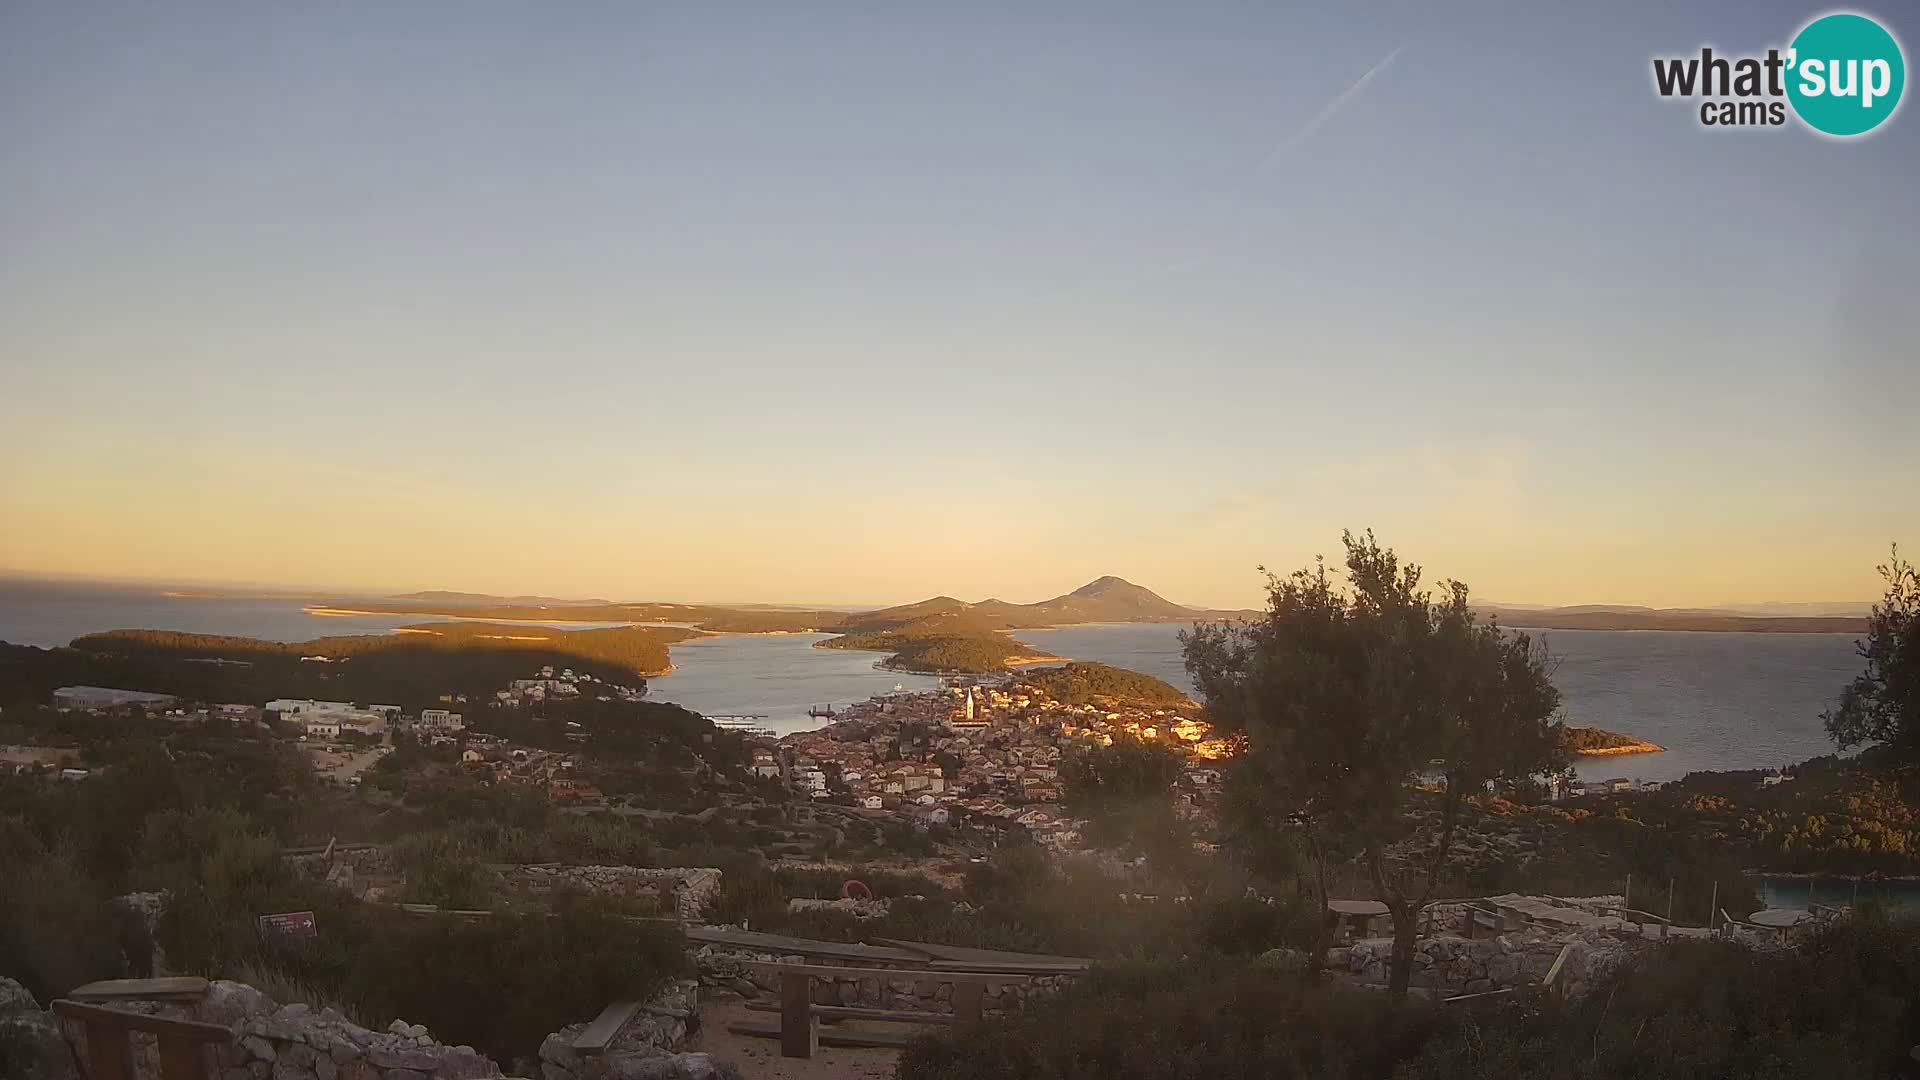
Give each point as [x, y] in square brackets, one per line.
[1100, 684]
[410, 668]
[1104, 599]
[949, 643]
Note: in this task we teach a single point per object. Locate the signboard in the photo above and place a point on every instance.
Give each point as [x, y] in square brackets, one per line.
[291, 924]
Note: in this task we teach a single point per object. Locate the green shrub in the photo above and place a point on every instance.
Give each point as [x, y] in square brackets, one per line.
[1845, 1004]
[58, 927]
[1178, 1021]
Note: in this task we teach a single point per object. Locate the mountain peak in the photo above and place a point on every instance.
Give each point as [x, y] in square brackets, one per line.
[1107, 585]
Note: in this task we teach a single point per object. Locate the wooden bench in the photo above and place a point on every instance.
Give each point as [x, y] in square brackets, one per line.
[177, 988]
[183, 1043]
[594, 1039]
[799, 1027]
[833, 1014]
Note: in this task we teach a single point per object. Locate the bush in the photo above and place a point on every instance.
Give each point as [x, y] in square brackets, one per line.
[1170, 1022]
[58, 928]
[1843, 1005]
[499, 984]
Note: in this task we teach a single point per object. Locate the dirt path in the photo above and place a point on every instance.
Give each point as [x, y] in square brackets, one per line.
[759, 1059]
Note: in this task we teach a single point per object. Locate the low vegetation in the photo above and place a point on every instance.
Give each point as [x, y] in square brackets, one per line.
[1083, 683]
[409, 669]
[1589, 740]
[939, 644]
[1845, 1004]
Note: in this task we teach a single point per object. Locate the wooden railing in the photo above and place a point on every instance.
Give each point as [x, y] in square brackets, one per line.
[1553, 983]
[1662, 921]
[183, 1043]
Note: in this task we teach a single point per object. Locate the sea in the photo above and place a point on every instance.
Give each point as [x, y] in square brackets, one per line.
[1714, 700]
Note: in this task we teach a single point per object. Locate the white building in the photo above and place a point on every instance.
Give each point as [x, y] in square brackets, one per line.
[105, 697]
[439, 721]
[341, 714]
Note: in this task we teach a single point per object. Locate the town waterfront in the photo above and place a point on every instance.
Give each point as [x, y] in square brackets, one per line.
[1714, 700]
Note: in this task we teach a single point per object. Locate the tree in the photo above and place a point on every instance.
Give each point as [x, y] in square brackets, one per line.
[1348, 698]
[1102, 779]
[1882, 704]
[1124, 792]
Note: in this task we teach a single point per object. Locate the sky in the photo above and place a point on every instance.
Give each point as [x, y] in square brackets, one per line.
[850, 303]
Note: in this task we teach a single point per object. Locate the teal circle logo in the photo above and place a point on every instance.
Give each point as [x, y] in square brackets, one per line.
[1845, 74]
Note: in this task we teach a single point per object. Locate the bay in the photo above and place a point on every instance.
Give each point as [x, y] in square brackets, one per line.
[1714, 700]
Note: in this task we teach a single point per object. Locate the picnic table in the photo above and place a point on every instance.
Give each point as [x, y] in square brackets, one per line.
[1781, 920]
[1355, 916]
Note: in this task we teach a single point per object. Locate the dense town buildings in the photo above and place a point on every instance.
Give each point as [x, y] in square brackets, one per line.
[979, 752]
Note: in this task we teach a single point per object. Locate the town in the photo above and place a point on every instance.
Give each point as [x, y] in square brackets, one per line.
[976, 749]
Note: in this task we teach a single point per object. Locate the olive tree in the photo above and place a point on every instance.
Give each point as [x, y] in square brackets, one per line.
[1882, 704]
[1367, 709]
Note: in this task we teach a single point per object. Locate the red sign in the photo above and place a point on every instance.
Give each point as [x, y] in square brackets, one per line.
[293, 924]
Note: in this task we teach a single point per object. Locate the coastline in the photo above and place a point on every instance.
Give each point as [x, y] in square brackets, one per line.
[1622, 751]
[887, 664]
[323, 612]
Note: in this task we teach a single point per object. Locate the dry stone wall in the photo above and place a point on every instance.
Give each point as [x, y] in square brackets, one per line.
[295, 1042]
[687, 891]
[725, 970]
[1456, 965]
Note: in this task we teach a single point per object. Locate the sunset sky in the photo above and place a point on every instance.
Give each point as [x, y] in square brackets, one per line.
[839, 303]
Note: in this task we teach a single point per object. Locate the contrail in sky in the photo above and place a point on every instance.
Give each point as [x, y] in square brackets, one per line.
[1320, 118]
[1249, 182]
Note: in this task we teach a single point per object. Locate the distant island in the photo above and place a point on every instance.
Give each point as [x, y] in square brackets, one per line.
[945, 635]
[1105, 599]
[1598, 742]
[937, 646]
[1599, 617]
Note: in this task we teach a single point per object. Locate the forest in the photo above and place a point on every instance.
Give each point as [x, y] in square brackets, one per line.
[1083, 683]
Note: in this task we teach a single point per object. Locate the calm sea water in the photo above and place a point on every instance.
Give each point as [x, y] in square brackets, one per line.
[778, 676]
[1716, 701]
[47, 613]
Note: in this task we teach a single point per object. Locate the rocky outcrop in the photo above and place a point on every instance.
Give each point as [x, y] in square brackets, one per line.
[296, 1042]
[32, 1046]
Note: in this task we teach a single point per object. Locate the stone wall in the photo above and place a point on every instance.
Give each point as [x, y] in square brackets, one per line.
[32, 1046]
[295, 1042]
[859, 909]
[686, 891]
[358, 869]
[683, 891]
[1452, 918]
[643, 1049]
[1456, 965]
[724, 970]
